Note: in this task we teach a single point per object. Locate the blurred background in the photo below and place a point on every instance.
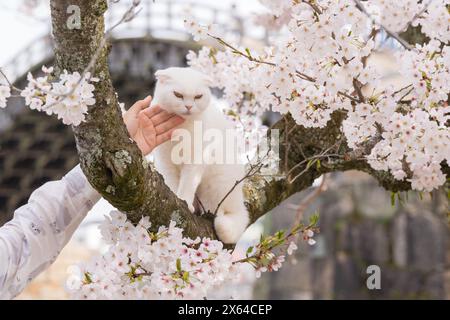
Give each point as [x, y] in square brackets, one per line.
[359, 225]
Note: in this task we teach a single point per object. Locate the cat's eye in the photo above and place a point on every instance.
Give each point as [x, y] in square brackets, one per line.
[178, 95]
[198, 96]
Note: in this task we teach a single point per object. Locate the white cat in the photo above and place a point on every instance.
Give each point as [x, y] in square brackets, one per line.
[185, 91]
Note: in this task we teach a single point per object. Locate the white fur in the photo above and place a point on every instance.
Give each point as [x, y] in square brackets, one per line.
[210, 182]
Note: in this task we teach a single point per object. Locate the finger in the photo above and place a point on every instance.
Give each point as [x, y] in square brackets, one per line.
[161, 138]
[161, 117]
[168, 125]
[141, 104]
[152, 111]
[144, 121]
[145, 103]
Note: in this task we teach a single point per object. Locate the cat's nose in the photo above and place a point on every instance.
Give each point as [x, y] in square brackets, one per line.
[188, 108]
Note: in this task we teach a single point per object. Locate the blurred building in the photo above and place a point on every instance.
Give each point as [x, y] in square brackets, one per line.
[360, 227]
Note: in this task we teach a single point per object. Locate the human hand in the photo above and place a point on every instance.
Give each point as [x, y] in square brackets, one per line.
[150, 126]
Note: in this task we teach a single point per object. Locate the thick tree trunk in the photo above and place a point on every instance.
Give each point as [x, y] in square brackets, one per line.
[115, 167]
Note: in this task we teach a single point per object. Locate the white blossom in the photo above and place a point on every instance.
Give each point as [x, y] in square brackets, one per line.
[291, 248]
[140, 264]
[68, 98]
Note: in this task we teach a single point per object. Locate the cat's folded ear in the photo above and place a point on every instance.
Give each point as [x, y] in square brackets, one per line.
[163, 75]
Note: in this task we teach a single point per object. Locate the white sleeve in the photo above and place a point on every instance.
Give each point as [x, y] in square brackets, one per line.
[32, 240]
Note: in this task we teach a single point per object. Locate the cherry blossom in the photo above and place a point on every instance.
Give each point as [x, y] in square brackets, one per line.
[434, 21]
[395, 15]
[163, 264]
[151, 265]
[291, 248]
[68, 98]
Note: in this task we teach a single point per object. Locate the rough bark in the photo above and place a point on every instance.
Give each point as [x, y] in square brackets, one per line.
[115, 167]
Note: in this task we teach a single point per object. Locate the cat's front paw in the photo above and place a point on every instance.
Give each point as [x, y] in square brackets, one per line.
[191, 208]
[228, 228]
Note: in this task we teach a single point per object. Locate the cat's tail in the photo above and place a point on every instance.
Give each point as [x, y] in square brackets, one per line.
[231, 225]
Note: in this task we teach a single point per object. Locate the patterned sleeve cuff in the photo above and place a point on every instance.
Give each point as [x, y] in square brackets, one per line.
[79, 188]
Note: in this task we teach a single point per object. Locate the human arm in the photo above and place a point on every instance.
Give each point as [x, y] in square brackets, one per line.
[40, 229]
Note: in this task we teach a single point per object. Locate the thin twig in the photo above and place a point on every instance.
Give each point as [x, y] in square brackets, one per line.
[295, 230]
[400, 90]
[248, 56]
[314, 160]
[306, 202]
[9, 82]
[314, 6]
[417, 15]
[321, 155]
[257, 60]
[254, 169]
[347, 96]
[201, 204]
[405, 95]
[358, 89]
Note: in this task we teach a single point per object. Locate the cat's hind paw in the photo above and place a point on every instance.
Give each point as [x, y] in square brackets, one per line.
[229, 227]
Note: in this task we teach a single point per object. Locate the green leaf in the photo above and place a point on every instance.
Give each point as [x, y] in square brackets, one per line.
[310, 163]
[297, 228]
[186, 276]
[393, 199]
[212, 55]
[179, 265]
[87, 277]
[279, 234]
[248, 53]
[313, 219]
[232, 113]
